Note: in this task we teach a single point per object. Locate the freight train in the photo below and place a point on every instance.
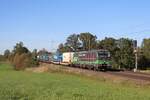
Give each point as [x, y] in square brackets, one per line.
[93, 59]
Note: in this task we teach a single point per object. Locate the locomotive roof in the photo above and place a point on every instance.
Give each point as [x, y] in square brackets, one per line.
[88, 51]
[94, 50]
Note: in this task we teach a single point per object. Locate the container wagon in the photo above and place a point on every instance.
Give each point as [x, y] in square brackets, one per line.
[44, 58]
[67, 58]
[56, 58]
[94, 59]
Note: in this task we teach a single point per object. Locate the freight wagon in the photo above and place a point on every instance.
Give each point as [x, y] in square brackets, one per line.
[67, 58]
[44, 58]
[56, 58]
[95, 59]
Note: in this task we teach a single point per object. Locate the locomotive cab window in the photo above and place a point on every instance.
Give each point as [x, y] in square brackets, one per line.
[103, 55]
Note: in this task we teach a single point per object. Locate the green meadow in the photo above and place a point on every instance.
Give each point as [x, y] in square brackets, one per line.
[22, 85]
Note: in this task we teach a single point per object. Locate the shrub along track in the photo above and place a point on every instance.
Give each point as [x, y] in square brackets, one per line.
[115, 76]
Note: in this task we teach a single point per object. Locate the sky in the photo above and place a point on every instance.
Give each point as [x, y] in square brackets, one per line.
[46, 23]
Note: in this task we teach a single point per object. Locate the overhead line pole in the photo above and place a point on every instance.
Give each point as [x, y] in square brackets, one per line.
[136, 55]
[136, 61]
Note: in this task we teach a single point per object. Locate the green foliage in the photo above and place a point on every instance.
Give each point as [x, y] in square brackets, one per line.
[88, 41]
[21, 85]
[34, 61]
[6, 53]
[64, 48]
[21, 61]
[146, 48]
[34, 54]
[121, 50]
[19, 48]
[21, 57]
[144, 58]
[126, 53]
[73, 42]
[110, 45]
[143, 62]
[76, 42]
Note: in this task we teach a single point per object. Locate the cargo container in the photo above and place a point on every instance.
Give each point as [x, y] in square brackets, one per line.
[67, 58]
[44, 57]
[57, 58]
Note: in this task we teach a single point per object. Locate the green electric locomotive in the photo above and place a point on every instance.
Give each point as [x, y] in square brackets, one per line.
[94, 59]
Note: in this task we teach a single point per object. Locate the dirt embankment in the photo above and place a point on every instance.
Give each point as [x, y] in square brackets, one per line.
[104, 76]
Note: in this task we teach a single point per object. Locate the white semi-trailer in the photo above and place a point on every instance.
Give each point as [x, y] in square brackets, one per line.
[67, 58]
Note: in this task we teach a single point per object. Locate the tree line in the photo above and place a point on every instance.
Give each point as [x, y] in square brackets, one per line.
[20, 57]
[122, 50]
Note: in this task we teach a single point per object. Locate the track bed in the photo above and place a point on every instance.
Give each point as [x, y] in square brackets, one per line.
[116, 76]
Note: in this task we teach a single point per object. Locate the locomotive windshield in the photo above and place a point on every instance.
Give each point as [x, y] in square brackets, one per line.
[103, 55]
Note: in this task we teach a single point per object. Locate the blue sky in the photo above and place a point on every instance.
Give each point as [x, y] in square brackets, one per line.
[46, 23]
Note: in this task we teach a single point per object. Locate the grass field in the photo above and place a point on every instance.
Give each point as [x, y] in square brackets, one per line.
[21, 85]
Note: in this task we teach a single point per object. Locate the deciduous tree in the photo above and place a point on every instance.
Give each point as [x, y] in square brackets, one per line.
[73, 42]
[88, 41]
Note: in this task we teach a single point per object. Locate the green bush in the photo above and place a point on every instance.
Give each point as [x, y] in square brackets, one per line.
[21, 61]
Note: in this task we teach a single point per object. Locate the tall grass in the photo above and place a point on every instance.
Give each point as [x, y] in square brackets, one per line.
[20, 85]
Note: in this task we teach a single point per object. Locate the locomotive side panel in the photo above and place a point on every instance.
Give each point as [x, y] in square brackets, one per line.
[96, 59]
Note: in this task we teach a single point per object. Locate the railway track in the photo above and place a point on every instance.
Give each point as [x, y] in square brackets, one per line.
[132, 75]
[124, 74]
